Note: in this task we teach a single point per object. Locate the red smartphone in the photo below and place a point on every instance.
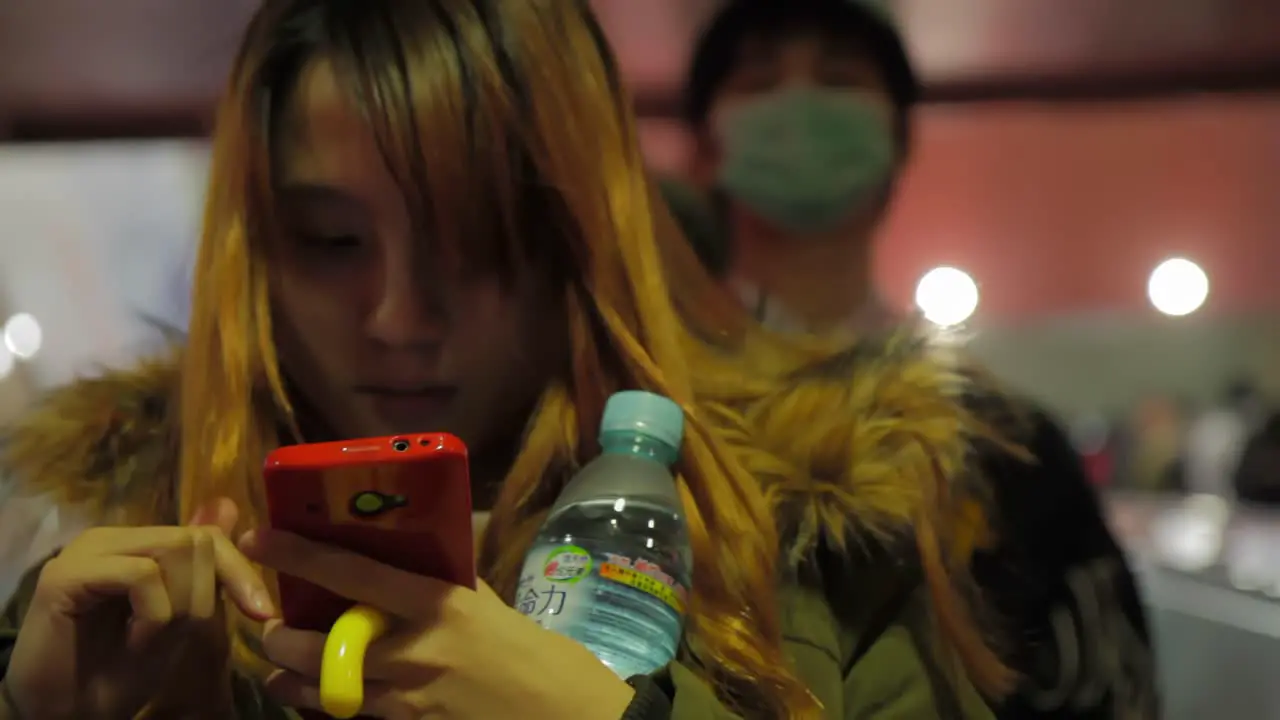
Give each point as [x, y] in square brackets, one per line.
[404, 501]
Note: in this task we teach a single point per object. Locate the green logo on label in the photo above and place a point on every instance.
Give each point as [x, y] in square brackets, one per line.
[567, 564]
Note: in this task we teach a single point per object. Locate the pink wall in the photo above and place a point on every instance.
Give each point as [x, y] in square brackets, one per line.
[1061, 209]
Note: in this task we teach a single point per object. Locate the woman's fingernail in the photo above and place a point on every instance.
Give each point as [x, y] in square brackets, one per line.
[262, 602]
[251, 540]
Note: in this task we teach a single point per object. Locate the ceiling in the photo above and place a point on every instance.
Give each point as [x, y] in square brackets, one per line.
[154, 66]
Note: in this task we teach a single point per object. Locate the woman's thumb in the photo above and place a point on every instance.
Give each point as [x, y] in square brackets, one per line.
[220, 513]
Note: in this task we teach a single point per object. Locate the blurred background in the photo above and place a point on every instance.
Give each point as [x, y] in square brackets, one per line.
[1104, 173]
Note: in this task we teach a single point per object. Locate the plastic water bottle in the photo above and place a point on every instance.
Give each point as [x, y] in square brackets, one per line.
[611, 566]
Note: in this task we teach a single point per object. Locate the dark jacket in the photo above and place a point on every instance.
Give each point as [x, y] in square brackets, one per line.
[1067, 598]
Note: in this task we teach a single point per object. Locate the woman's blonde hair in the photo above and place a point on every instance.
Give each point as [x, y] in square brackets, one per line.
[506, 123]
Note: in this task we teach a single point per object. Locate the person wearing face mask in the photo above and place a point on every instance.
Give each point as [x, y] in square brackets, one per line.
[801, 113]
[800, 140]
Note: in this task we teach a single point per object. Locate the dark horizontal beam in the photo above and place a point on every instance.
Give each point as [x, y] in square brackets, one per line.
[194, 120]
[175, 122]
[1263, 77]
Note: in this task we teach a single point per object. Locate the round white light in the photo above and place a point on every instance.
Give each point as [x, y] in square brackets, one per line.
[23, 336]
[947, 296]
[1178, 287]
[7, 361]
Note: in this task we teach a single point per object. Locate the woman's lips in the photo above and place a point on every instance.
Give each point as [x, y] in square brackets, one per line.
[405, 404]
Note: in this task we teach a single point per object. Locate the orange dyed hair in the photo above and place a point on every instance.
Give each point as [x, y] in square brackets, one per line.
[505, 122]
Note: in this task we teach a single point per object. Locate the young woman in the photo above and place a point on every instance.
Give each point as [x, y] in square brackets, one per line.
[432, 215]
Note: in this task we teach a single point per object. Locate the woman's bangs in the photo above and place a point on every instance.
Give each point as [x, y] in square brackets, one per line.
[444, 119]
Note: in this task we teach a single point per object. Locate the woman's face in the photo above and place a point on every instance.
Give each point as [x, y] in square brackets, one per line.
[376, 328]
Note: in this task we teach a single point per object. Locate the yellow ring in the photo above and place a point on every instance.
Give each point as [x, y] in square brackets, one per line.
[342, 665]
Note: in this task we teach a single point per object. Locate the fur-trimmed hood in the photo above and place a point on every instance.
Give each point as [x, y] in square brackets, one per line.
[106, 447]
[100, 445]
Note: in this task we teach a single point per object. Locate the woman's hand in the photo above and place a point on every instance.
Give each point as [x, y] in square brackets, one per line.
[452, 652]
[125, 618]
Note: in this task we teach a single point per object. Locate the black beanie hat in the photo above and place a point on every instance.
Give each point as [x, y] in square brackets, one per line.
[864, 21]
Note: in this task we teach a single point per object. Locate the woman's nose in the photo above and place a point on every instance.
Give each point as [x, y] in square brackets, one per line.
[408, 312]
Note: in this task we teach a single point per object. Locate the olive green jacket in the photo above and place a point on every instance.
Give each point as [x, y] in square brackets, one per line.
[858, 630]
[888, 676]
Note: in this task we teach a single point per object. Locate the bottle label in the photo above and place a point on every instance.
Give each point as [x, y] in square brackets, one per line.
[643, 578]
[556, 583]
[566, 564]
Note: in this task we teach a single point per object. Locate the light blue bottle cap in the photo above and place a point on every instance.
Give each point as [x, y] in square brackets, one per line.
[644, 413]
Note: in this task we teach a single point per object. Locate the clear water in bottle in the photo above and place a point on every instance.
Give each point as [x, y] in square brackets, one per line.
[611, 567]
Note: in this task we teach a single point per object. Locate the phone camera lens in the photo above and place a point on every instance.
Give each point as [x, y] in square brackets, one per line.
[400, 445]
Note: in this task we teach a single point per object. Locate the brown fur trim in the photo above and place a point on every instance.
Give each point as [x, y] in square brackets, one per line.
[104, 445]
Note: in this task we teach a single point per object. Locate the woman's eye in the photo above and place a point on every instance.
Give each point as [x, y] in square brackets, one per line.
[325, 241]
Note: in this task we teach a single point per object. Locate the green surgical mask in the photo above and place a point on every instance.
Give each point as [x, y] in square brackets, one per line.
[806, 158]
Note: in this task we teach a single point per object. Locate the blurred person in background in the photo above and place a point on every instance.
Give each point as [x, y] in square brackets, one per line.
[1217, 436]
[427, 215]
[1094, 441]
[802, 113]
[1154, 444]
[1256, 478]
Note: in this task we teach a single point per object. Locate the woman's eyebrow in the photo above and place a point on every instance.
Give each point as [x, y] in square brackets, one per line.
[315, 193]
